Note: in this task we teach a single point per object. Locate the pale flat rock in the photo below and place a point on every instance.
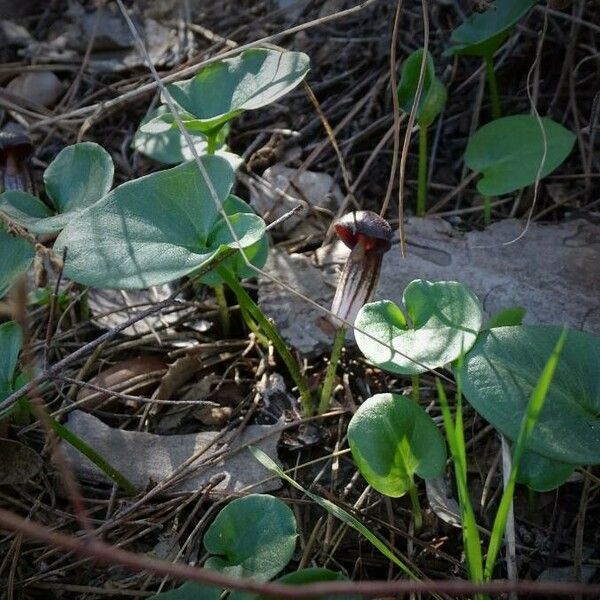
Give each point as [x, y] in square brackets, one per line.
[146, 458]
[553, 272]
[281, 188]
[297, 320]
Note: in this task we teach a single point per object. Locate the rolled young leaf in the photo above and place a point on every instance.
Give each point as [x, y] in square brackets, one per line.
[433, 95]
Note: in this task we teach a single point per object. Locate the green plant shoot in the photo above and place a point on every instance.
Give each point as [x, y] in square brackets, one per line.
[483, 33]
[392, 439]
[431, 103]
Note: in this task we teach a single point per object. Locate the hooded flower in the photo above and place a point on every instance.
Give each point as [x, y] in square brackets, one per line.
[369, 237]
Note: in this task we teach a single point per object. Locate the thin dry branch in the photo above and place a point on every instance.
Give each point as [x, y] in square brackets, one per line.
[106, 554]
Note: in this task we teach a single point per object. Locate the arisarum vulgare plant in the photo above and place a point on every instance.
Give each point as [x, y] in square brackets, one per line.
[537, 385]
[184, 221]
[369, 237]
[205, 105]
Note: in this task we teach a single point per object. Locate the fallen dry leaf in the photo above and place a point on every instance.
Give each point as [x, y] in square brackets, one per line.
[146, 457]
[18, 462]
[119, 377]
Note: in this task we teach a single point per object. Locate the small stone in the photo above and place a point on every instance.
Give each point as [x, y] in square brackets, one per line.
[281, 189]
[39, 87]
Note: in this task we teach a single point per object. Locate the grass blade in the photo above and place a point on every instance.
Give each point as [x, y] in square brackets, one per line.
[85, 449]
[534, 407]
[456, 441]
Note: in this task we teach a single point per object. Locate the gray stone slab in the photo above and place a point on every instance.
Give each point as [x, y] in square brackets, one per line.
[553, 272]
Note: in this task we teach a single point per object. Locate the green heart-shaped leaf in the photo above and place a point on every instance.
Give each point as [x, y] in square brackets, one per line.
[256, 254]
[154, 229]
[508, 152]
[483, 33]
[502, 369]
[222, 90]
[433, 94]
[17, 254]
[392, 438]
[444, 319]
[79, 176]
[542, 474]
[254, 537]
